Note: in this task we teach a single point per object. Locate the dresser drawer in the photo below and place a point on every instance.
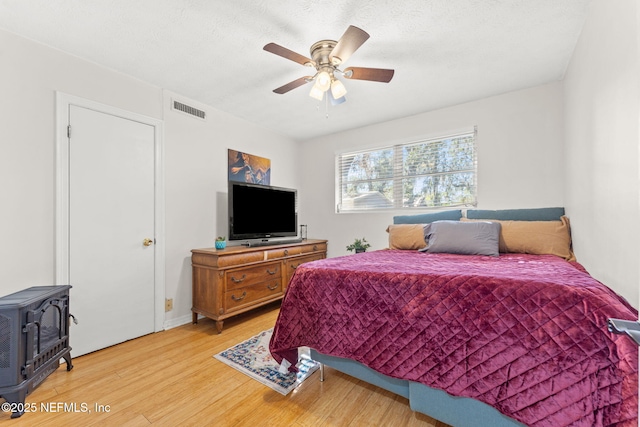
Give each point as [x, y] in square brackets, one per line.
[294, 263]
[314, 247]
[282, 252]
[242, 277]
[239, 298]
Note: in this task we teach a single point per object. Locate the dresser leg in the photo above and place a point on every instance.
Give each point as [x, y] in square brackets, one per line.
[194, 317]
[219, 326]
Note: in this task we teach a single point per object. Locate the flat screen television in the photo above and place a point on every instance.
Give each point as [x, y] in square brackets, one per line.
[261, 211]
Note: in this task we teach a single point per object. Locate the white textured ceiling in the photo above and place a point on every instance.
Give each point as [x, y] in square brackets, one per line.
[444, 52]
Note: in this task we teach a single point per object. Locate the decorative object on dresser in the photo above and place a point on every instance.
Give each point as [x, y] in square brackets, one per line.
[221, 242]
[34, 336]
[236, 279]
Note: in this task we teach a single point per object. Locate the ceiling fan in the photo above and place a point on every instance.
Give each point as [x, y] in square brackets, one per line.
[326, 57]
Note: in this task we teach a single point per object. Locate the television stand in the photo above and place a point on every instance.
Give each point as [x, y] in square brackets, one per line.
[271, 242]
[230, 281]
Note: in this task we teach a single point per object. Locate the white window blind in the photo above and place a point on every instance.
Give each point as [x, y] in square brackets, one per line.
[431, 173]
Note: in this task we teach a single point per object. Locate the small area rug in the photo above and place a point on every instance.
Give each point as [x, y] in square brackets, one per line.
[252, 358]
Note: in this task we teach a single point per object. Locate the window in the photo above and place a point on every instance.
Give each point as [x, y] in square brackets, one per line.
[423, 174]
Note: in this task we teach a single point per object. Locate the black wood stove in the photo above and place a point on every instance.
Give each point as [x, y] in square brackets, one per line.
[34, 337]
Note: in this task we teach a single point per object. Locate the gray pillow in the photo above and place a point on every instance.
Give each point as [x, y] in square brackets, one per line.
[467, 238]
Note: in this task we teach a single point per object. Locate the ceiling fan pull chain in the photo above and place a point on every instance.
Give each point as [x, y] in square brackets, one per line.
[326, 106]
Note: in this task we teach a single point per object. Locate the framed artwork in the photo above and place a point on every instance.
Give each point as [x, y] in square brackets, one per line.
[246, 167]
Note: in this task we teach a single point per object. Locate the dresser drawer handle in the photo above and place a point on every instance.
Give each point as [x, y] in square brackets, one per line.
[294, 266]
[286, 252]
[244, 276]
[240, 298]
[272, 288]
[315, 247]
[272, 272]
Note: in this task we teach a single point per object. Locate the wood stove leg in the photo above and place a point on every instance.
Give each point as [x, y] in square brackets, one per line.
[17, 399]
[219, 326]
[67, 358]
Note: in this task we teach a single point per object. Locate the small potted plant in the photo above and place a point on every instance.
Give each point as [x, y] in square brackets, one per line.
[359, 245]
[221, 242]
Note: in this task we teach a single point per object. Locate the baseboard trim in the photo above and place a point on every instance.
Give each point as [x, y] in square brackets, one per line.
[179, 321]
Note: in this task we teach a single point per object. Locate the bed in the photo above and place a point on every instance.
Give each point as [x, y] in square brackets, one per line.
[507, 339]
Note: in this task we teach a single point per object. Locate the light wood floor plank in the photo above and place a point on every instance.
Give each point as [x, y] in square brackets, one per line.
[171, 378]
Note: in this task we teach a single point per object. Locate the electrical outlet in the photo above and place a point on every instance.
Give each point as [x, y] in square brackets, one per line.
[168, 304]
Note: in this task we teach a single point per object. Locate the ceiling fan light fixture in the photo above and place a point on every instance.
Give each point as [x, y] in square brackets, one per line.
[335, 101]
[323, 81]
[316, 93]
[337, 89]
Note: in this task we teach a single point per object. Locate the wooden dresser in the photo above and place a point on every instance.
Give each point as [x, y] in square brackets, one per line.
[238, 278]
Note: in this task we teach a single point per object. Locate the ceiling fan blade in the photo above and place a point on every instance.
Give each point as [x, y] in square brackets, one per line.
[286, 53]
[371, 74]
[350, 41]
[292, 85]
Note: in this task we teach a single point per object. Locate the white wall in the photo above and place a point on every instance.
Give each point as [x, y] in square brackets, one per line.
[520, 160]
[29, 76]
[196, 185]
[195, 163]
[602, 106]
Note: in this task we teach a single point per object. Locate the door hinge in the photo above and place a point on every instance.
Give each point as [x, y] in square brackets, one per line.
[69, 131]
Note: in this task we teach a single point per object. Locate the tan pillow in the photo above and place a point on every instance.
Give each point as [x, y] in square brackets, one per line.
[535, 237]
[406, 236]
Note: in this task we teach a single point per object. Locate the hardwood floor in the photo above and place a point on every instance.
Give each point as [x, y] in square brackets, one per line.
[170, 378]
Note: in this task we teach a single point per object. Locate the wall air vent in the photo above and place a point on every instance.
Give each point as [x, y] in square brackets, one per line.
[189, 110]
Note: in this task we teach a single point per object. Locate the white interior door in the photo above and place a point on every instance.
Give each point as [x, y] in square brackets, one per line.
[111, 213]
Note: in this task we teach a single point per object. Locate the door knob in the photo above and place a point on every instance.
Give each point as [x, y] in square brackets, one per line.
[147, 242]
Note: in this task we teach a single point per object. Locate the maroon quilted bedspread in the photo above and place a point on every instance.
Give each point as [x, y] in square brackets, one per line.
[526, 334]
